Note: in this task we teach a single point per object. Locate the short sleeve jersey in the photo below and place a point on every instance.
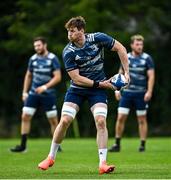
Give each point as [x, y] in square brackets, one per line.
[138, 67]
[90, 58]
[42, 68]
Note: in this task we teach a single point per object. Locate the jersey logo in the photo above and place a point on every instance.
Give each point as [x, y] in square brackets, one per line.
[94, 47]
[35, 63]
[77, 57]
[48, 62]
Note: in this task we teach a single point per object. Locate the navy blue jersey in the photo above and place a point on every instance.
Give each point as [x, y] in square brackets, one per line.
[138, 67]
[42, 68]
[88, 59]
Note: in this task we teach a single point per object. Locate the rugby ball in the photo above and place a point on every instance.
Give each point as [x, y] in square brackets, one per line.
[118, 81]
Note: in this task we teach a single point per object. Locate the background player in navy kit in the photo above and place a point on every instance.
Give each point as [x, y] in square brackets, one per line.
[42, 75]
[137, 94]
[84, 63]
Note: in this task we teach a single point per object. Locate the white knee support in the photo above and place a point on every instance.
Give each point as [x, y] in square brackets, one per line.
[123, 110]
[68, 110]
[29, 110]
[100, 111]
[141, 112]
[51, 114]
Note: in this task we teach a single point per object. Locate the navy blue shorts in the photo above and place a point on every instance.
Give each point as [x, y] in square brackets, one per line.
[47, 102]
[133, 100]
[78, 96]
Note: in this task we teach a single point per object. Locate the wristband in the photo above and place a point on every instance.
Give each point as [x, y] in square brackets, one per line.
[95, 84]
[25, 94]
[117, 92]
[44, 87]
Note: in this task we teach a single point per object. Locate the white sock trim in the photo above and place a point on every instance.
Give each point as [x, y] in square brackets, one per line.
[102, 155]
[53, 150]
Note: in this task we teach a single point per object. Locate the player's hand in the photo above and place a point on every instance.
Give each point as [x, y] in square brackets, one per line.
[127, 79]
[40, 89]
[147, 96]
[106, 85]
[24, 96]
[117, 95]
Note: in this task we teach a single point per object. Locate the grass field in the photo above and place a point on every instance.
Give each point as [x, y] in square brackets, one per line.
[79, 160]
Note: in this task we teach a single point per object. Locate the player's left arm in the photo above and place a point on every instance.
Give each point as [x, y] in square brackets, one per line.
[121, 50]
[150, 84]
[55, 80]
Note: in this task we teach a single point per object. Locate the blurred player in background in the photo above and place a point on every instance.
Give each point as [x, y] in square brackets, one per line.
[83, 59]
[138, 94]
[42, 75]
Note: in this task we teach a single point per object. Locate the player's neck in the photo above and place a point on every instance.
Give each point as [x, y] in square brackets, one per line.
[135, 54]
[44, 54]
[81, 41]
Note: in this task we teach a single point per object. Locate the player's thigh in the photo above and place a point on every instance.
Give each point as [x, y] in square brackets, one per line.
[141, 106]
[124, 107]
[75, 96]
[121, 117]
[30, 106]
[72, 102]
[98, 104]
[48, 102]
[99, 111]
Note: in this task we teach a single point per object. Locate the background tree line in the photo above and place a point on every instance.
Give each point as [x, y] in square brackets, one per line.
[22, 20]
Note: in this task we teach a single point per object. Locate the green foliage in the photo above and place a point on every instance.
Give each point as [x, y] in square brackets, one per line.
[22, 20]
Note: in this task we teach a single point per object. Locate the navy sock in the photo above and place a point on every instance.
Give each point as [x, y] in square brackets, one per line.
[117, 141]
[143, 143]
[23, 140]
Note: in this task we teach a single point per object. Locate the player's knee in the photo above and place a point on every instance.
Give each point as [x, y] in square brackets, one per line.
[142, 121]
[65, 121]
[100, 122]
[121, 119]
[53, 121]
[25, 117]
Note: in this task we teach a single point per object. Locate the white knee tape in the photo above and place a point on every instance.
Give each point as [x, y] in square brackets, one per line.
[123, 110]
[100, 111]
[68, 110]
[51, 114]
[141, 112]
[29, 110]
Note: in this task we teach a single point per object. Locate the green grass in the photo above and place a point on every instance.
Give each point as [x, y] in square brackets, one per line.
[79, 160]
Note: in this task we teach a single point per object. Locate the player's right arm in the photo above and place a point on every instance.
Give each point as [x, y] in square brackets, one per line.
[73, 72]
[27, 83]
[121, 50]
[86, 82]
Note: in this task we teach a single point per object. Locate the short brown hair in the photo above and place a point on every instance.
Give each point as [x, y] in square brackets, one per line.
[40, 38]
[78, 22]
[137, 37]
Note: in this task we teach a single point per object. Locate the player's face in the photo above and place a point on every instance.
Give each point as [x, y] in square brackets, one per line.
[39, 47]
[74, 35]
[137, 46]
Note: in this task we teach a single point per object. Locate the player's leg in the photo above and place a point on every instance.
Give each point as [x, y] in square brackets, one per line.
[141, 111]
[48, 102]
[123, 111]
[99, 111]
[69, 110]
[53, 121]
[98, 103]
[143, 129]
[27, 114]
[119, 129]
